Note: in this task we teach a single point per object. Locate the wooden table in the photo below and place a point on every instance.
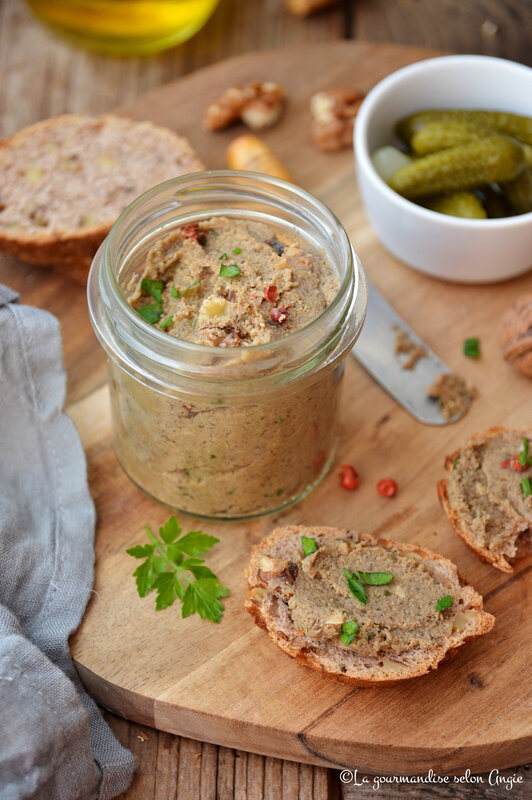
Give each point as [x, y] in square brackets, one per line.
[40, 76]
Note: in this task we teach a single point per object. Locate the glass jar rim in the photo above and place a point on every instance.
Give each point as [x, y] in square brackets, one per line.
[180, 355]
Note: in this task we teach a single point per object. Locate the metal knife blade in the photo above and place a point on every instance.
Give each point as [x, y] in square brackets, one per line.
[375, 350]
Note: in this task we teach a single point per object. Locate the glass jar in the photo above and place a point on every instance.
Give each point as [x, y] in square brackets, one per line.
[125, 27]
[224, 433]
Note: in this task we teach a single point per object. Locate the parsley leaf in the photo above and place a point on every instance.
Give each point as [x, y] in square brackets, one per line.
[237, 251]
[202, 597]
[195, 543]
[375, 578]
[155, 288]
[526, 486]
[229, 271]
[151, 313]
[170, 531]
[524, 457]
[349, 631]
[472, 347]
[355, 587]
[165, 585]
[444, 602]
[309, 545]
[171, 568]
[144, 577]
[140, 551]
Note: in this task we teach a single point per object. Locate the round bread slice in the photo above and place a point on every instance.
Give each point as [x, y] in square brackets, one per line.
[484, 497]
[64, 182]
[402, 610]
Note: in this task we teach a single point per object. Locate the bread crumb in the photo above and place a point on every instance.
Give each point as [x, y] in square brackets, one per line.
[404, 345]
[452, 393]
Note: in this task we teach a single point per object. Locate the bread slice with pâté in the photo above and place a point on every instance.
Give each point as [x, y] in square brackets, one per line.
[367, 611]
[487, 495]
[64, 182]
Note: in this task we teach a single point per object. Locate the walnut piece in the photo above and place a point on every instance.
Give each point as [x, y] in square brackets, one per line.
[515, 335]
[259, 105]
[333, 113]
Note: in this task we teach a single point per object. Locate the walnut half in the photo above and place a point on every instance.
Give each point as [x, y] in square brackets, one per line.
[333, 113]
[259, 105]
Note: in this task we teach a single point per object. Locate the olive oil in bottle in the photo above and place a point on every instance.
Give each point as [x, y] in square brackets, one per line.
[126, 27]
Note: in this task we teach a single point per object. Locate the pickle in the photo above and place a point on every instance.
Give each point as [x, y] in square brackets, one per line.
[494, 159]
[458, 204]
[435, 136]
[519, 192]
[501, 121]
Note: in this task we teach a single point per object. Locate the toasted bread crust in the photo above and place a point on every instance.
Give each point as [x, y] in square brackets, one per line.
[72, 250]
[310, 656]
[459, 525]
[461, 529]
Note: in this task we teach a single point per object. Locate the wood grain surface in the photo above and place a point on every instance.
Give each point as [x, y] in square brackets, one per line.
[41, 75]
[476, 710]
[192, 770]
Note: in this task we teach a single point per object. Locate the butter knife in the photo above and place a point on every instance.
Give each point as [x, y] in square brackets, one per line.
[375, 349]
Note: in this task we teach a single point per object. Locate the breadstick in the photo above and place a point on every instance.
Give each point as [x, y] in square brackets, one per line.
[305, 7]
[251, 153]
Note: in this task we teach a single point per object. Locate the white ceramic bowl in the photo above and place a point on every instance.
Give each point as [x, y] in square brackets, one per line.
[469, 251]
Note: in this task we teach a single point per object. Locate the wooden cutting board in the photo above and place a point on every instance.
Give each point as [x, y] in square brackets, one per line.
[229, 684]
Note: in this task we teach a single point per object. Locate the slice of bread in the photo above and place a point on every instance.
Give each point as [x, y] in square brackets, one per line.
[304, 602]
[64, 182]
[484, 499]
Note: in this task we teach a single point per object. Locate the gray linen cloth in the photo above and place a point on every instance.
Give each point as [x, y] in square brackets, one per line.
[55, 744]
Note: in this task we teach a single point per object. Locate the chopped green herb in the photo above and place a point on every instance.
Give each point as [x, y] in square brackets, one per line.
[223, 257]
[355, 587]
[229, 271]
[166, 322]
[472, 348]
[155, 288]
[279, 492]
[167, 559]
[524, 458]
[387, 593]
[375, 578]
[237, 251]
[349, 631]
[309, 545]
[213, 455]
[370, 635]
[151, 313]
[174, 291]
[190, 286]
[444, 602]
[456, 459]
[526, 486]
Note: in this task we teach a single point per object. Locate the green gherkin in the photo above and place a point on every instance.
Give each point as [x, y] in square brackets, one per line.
[519, 192]
[501, 121]
[490, 160]
[458, 204]
[435, 136]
